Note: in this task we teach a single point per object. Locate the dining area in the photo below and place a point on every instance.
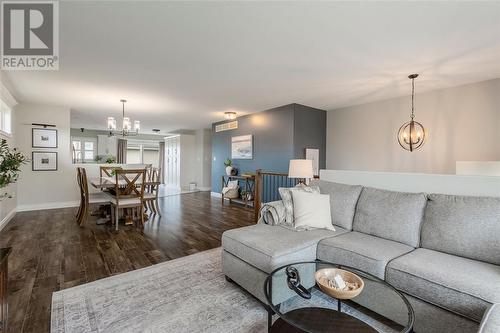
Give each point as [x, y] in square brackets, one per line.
[120, 194]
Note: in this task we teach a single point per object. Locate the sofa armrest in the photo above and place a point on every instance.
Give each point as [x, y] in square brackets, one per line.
[491, 320]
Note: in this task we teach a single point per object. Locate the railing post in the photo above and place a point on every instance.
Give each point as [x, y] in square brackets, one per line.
[257, 199]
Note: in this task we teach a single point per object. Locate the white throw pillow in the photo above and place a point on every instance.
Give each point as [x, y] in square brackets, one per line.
[311, 211]
[286, 197]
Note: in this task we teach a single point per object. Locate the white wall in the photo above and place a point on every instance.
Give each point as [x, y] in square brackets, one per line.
[204, 159]
[8, 205]
[188, 159]
[417, 182]
[45, 189]
[463, 124]
[475, 168]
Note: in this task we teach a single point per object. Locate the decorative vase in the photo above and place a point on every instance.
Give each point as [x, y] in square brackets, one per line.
[229, 170]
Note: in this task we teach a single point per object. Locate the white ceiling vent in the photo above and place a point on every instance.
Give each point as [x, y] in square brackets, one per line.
[226, 126]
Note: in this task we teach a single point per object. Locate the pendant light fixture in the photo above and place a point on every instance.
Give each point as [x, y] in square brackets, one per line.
[230, 115]
[126, 124]
[411, 135]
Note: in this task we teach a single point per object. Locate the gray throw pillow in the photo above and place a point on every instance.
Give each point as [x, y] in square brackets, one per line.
[343, 199]
[286, 196]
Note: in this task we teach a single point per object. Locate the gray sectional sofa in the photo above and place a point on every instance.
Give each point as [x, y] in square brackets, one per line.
[441, 251]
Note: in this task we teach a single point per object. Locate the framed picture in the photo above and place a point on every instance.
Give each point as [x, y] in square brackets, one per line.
[313, 154]
[242, 147]
[44, 161]
[44, 138]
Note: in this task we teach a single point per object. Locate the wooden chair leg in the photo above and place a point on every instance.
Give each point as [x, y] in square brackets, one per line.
[133, 215]
[157, 205]
[138, 210]
[153, 208]
[78, 215]
[116, 218]
[112, 214]
[142, 218]
[84, 215]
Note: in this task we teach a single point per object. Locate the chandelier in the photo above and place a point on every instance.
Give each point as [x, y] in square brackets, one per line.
[411, 135]
[126, 124]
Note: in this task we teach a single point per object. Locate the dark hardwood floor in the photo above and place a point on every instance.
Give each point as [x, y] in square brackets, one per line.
[50, 252]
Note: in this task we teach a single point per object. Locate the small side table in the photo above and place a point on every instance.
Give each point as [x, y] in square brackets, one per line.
[248, 187]
[4, 278]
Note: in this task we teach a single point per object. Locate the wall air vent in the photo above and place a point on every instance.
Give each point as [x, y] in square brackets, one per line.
[226, 126]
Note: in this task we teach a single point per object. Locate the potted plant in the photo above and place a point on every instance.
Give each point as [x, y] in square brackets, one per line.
[10, 164]
[246, 195]
[229, 167]
[110, 159]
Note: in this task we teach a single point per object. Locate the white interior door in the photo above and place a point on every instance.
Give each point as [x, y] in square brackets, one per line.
[172, 172]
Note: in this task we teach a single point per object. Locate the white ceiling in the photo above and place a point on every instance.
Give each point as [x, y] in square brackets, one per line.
[182, 64]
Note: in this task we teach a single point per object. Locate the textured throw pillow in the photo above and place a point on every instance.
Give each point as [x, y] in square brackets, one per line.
[286, 197]
[311, 211]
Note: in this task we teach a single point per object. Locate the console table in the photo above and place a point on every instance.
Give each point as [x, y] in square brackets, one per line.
[4, 277]
[248, 186]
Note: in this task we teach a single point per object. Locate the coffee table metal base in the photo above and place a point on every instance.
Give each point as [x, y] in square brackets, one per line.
[321, 320]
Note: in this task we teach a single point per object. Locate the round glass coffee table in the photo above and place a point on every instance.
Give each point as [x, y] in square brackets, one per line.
[303, 307]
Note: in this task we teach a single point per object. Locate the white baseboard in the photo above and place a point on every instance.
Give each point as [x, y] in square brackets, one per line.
[7, 218]
[216, 194]
[48, 205]
[204, 189]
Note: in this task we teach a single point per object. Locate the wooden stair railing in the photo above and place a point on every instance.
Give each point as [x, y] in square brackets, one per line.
[267, 184]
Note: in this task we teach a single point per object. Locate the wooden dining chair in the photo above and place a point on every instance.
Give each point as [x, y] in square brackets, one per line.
[129, 193]
[107, 171]
[152, 188]
[86, 198]
[80, 216]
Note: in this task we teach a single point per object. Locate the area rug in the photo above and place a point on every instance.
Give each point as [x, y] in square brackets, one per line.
[188, 294]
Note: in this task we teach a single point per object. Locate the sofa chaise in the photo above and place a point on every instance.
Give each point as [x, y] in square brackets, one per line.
[441, 251]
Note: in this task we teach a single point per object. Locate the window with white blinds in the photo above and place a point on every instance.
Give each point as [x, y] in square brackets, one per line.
[5, 118]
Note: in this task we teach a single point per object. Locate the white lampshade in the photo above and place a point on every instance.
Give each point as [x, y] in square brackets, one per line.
[300, 169]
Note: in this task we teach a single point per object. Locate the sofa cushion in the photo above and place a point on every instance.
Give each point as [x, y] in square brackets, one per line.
[343, 199]
[491, 320]
[364, 252]
[269, 247]
[391, 215]
[461, 285]
[464, 226]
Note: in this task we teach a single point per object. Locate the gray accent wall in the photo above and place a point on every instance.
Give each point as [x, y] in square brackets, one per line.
[279, 134]
[309, 132]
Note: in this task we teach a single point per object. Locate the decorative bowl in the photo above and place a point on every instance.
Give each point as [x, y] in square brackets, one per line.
[324, 275]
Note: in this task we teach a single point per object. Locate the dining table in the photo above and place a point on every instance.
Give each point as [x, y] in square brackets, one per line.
[105, 183]
[108, 184]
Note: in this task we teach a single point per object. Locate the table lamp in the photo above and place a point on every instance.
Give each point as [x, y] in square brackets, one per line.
[302, 169]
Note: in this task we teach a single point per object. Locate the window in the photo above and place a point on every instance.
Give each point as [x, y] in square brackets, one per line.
[5, 118]
[84, 149]
[143, 152]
